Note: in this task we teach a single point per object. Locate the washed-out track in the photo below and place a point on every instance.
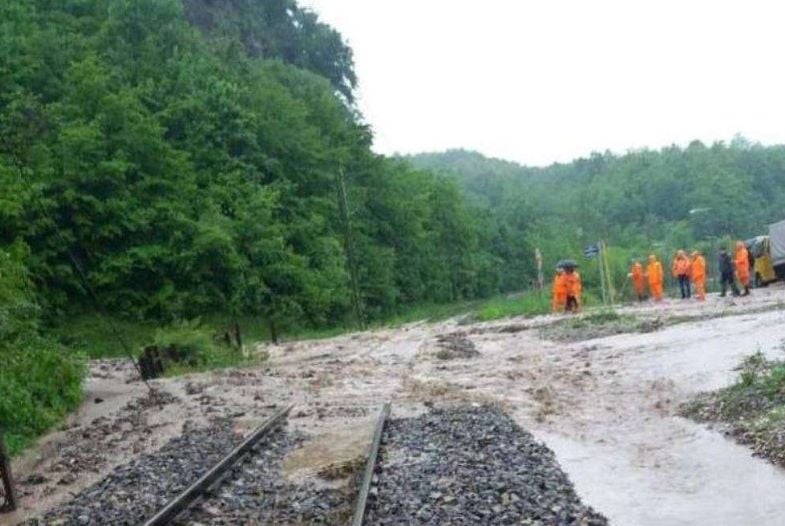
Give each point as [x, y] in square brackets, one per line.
[222, 493]
[459, 465]
[455, 465]
[199, 488]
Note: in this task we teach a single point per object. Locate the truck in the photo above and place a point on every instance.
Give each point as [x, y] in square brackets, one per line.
[768, 254]
[777, 243]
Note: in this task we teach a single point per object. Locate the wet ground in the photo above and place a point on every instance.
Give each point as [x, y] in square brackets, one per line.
[606, 406]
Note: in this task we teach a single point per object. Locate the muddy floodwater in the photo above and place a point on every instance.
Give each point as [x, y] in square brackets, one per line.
[637, 463]
[605, 405]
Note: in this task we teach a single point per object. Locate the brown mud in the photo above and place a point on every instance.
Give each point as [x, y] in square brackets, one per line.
[606, 404]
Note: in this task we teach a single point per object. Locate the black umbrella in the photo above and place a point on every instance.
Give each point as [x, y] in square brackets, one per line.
[567, 263]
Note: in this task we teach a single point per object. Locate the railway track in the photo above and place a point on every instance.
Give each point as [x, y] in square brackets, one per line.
[454, 465]
[198, 489]
[370, 467]
[179, 506]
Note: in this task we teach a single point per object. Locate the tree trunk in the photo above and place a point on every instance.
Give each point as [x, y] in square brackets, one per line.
[6, 478]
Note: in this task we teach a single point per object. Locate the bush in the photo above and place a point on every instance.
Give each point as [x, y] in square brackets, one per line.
[192, 340]
[40, 380]
[197, 348]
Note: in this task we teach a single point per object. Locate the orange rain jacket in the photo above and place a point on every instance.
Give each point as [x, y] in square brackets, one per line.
[699, 275]
[638, 279]
[681, 266]
[743, 264]
[654, 275]
[559, 292]
[574, 286]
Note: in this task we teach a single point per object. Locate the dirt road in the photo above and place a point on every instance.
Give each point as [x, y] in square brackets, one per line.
[605, 405]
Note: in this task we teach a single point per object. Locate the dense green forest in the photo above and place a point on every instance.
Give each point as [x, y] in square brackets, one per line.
[197, 158]
[196, 171]
[649, 200]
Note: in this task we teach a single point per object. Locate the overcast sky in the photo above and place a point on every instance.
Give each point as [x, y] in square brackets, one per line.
[548, 80]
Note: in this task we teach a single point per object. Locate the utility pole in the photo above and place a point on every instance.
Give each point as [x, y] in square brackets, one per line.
[608, 277]
[7, 479]
[349, 246]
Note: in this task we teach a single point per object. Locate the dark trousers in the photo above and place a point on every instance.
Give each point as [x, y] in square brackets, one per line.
[684, 286]
[727, 279]
[572, 304]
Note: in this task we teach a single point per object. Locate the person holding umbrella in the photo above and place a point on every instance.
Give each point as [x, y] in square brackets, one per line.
[573, 285]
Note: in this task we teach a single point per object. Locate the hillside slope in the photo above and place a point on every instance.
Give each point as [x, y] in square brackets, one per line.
[674, 196]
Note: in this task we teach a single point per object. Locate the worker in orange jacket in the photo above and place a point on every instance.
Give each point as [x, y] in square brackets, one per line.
[654, 276]
[559, 291]
[698, 275]
[638, 279]
[681, 271]
[574, 287]
[743, 267]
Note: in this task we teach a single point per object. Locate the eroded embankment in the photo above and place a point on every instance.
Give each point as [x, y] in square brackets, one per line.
[752, 410]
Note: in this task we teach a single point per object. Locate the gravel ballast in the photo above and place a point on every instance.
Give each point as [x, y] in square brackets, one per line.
[253, 492]
[137, 490]
[470, 465]
[256, 492]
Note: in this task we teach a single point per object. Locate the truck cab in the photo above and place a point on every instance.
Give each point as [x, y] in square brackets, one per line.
[768, 253]
[759, 248]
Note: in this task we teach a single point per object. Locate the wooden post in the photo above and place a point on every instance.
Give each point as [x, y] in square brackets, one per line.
[7, 478]
[238, 337]
[540, 275]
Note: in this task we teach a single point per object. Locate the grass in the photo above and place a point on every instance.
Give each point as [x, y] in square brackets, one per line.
[506, 307]
[95, 338]
[199, 350]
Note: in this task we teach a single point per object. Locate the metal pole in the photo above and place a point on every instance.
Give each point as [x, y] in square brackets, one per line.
[602, 276]
[9, 488]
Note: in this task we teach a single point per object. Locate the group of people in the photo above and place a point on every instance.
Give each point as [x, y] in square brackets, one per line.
[684, 269]
[689, 271]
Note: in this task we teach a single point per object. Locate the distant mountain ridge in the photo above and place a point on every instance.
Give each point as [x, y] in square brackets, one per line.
[467, 162]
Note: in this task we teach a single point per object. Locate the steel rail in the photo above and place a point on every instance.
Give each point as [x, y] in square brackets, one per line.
[370, 465]
[198, 488]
